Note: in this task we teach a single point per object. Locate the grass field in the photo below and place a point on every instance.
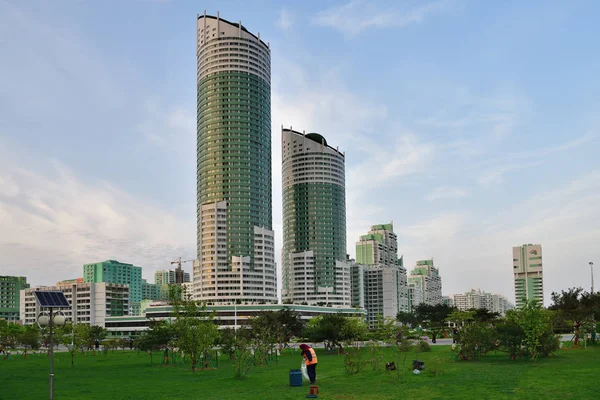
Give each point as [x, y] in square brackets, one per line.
[124, 375]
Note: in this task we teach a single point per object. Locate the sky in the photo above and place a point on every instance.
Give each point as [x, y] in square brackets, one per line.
[472, 125]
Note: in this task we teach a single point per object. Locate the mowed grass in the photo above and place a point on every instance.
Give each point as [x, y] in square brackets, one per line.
[574, 374]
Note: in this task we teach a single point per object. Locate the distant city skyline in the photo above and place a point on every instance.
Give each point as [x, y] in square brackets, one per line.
[471, 137]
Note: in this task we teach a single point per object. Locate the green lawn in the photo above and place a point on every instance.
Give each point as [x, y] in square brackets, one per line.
[123, 375]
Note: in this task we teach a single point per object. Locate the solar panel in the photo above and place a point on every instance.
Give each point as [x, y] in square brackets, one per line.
[52, 299]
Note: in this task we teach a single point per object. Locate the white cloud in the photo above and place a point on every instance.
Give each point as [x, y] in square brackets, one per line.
[359, 15]
[168, 126]
[53, 222]
[321, 103]
[445, 192]
[285, 20]
[475, 250]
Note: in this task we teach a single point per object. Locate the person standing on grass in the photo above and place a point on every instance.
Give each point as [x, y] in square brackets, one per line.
[311, 362]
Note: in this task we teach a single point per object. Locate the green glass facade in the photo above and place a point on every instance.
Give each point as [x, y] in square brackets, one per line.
[234, 131]
[234, 153]
[112, 271]
[314, 217]
[10, 300]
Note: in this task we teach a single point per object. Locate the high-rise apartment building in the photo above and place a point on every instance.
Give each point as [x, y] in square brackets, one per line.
[10, 287]
[112, 271]
[528, 273]
[378, 247]
[90, 302]
[314, 263]
[384, 276]
[150, 291]
[170, 277]
[236, 251]
[426, 284]
[477, 298]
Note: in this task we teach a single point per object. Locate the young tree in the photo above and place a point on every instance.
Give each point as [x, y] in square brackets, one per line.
[510, 334]
[30, 338]
[147, 344]
[195, 330]
[162, 334]
[535, 322]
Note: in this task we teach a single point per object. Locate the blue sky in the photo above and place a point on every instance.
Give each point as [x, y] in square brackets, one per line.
[473, 125]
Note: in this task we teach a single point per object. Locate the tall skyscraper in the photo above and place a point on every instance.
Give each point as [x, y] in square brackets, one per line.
[384, 276]
[528, 275]
[425, 284]
[236, 251]
[315, 270]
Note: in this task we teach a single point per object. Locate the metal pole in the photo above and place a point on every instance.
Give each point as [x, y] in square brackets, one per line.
[592, 272]
[51, 357]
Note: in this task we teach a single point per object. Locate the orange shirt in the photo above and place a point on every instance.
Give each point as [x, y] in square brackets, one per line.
[313, 356]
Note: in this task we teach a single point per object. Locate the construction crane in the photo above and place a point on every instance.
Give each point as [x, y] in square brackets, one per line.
[180, 261]
[179, 271]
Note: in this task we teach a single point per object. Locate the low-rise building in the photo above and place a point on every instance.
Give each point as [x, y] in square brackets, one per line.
[226, 316]
[90, 303]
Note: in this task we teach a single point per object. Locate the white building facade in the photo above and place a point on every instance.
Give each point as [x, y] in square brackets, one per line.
[90, 303]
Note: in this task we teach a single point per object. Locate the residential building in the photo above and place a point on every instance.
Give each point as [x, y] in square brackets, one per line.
[181, 276]
[236, 251]
[378, 247]
[164, 277]
[528, 273]
[170, 277]
[384, 276]
[314, 264]
[90, 302]
[150, 291]
[477, 298]
[426, 282]
[10, 287]
[112, 271]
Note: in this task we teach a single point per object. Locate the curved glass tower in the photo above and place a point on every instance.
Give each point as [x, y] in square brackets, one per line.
[314, 221]
[235, 240]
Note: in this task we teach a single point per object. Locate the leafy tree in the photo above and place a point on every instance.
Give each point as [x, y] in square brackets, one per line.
[535, 322]
[266, 330]
[510, 334]
[407, 318]
[326, 328]
[227, 341]
[147, 344]
[485, 315]
[578, 308]
[9, 334]
[433, 317]
[195, 330]
[30, 338]
[291, 324]
[162, 334]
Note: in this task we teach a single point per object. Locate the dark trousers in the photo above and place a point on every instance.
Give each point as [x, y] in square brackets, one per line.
[312, 372]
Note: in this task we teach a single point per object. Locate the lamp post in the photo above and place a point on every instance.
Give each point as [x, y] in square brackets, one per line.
[592, 272]
[51, 319]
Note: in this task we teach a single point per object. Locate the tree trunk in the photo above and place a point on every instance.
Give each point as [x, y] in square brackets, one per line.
[577, 333]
